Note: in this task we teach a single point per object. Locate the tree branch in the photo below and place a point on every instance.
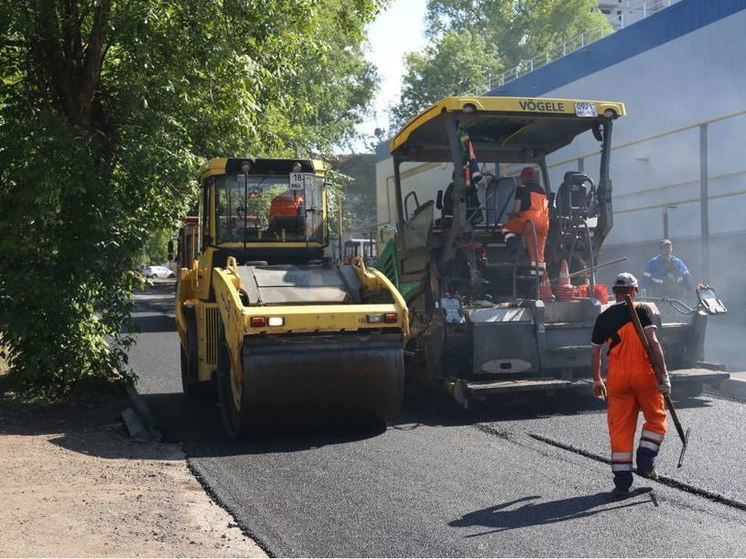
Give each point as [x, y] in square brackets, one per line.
[94, 58]
[14, 43]
[49, 55]
[71, 34]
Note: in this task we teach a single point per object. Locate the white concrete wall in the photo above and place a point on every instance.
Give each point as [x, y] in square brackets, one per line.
[693, 79]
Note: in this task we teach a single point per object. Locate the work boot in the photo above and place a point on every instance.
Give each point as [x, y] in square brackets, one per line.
[649, 473]
[620, 492]
[512, 242]
[646, 463]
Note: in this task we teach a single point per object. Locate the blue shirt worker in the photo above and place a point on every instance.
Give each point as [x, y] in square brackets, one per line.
[666, 275]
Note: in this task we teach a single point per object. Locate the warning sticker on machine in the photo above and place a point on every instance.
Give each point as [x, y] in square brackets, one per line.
[583, 109]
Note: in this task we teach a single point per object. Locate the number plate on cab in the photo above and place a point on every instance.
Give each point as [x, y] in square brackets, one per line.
[585, 110]
[301, 181]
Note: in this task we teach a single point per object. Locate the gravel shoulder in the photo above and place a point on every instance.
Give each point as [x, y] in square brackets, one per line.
[74, 485]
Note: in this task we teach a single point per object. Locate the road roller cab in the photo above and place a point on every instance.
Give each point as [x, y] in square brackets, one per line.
[264, 314]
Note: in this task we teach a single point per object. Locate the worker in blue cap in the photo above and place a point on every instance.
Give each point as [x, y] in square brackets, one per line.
[666, 275]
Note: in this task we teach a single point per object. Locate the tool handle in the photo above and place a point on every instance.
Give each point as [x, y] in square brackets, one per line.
[658, 373]
[675, 417]
[599, 266]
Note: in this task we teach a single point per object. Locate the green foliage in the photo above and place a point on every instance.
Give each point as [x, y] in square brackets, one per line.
[493, 34]
[156, 247]
[107, 109]
[458, 62]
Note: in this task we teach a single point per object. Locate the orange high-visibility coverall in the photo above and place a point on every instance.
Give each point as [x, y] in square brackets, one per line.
[286, 204]
[632, 386]
[534, 208]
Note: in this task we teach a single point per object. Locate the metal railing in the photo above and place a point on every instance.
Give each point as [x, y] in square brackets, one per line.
[553, 53]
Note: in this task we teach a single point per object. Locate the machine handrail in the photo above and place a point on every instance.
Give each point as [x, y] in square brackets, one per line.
[412, 194]
[676, 304]
[591, 260]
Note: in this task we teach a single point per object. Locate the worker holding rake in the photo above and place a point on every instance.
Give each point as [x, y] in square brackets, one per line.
[632, 385]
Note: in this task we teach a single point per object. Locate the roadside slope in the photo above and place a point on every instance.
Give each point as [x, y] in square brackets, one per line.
[74, 485]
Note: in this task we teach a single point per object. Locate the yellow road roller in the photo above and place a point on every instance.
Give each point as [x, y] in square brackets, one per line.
[266, 316]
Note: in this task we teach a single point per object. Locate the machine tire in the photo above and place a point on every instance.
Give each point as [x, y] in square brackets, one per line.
[185, 384]
[234, 420]
[189, 360]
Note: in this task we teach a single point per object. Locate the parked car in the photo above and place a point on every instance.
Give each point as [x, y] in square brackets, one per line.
[157, 272]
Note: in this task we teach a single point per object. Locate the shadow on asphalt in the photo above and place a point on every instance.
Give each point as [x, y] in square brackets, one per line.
[196, 423]
[502, 517]
[151, 324]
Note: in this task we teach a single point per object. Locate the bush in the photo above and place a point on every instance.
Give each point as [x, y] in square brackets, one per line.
[106, 112]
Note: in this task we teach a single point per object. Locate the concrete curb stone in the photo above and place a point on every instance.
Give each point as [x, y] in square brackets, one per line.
[139, 420]
[134, 425]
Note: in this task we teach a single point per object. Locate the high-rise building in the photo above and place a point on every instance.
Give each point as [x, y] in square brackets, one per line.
[622, 13]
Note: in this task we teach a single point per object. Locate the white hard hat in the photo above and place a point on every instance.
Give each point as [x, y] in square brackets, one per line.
[625, 279]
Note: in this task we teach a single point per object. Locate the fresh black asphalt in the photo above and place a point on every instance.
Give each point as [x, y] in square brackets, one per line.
[448, 483]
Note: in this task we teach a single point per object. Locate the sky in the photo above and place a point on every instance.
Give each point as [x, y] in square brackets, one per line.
[396, 31]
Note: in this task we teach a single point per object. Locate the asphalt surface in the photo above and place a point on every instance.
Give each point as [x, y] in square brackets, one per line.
[521, 479]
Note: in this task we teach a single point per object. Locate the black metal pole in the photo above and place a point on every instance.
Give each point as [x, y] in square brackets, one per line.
[458, 224]
[606, 212]
[245, 204]
[399, 198]
[245, 167]
[704, 201]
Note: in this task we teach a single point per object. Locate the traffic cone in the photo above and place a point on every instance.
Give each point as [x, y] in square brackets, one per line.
[564, 277]
[565, 290]
[545, 290]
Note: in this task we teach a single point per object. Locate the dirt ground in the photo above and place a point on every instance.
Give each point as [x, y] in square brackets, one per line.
[72, 484]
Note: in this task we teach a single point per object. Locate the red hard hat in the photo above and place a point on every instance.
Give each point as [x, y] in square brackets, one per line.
[528, 173]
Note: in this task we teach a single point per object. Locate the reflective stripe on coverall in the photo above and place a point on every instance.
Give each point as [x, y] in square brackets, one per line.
[632, 387]
[538, 213]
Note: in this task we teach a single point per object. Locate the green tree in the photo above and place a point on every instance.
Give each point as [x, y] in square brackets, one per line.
[156, 247]
[459, 62]
[508, 32]
[107, 108]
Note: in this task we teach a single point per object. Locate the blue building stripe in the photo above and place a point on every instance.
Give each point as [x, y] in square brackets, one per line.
[666, 25]
[663, 26]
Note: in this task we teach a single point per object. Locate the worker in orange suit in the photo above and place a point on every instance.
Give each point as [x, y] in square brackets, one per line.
[286, 204]
[632, 385]
[530, 205]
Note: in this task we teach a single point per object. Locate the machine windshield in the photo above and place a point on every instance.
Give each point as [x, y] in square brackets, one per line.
[269, 208]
